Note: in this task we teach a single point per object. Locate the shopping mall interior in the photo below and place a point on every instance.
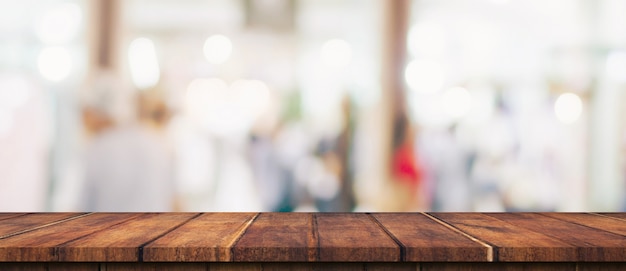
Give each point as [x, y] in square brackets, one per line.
[312, 105]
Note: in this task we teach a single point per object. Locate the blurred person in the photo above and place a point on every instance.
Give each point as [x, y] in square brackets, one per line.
[406, 170]
[448, 167]
[129, 167]
[336, 156]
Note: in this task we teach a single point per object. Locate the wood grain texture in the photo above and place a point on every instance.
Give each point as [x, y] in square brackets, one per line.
[208, 237]
[615, 215]
[154, 267]
[354, 237]
[40, 245]
[23, 223]
[593, 244]
[23, 267]
[511, 243]
[601, 266]
[498, 267]
[4, 216]
[425, 239]
[73, 267]
[121, 242]
[610, 224]
[278, 237]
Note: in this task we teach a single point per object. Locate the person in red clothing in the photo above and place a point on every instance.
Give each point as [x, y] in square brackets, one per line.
[405, 167]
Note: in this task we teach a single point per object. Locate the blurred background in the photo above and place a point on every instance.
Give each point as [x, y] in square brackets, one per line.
[312, 105]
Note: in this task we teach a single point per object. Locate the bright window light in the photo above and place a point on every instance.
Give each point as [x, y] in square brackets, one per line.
[144, 66]
[424, 76]
[54, 63]
[568, 107]
[59, 25]
[217, 49]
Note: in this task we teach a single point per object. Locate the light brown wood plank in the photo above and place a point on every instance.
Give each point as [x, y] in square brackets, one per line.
[278, 237]
[40, 245]
[24, 223]
[511, 243]
[593, 244]
[4, 216]
[425, 239]
[354, 237]
[121, 243]
[615, 215]
[208, 237]
[610, 224]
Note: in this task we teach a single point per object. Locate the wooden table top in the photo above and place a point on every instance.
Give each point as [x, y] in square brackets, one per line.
[312, 237]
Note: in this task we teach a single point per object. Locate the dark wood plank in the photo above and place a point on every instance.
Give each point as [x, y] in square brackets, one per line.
[23, 266]
[498, 266]
[208, 237]
[40, 245]
[235, 266]
[615, 215]
[593, 244]
[121, 243]
[4, 216]
[278, 237]
[425, 239]
[392, 266]
[154, 266]
[24, 223]
[610, 224]
[73, 267]
[511, 243]
[601, 266]
[354, 237]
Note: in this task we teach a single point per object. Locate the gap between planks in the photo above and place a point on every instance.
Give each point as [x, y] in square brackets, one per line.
[490, 249]
[393, 237]
[43, 226]
[140, 249]
[240, 232]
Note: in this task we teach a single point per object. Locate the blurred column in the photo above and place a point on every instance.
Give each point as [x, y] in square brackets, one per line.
[396, 19]
[104, 35]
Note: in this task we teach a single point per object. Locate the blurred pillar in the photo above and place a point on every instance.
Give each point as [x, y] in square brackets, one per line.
[396, 20]
[104, 35]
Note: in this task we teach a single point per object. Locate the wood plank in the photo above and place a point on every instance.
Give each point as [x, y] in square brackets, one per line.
[154, 266]
[208, 237]
[23, 267]
[425, 239]
[24, 223]
[498, 266]
[278, 237]
[511, 243]
[122, 242]
[593, 244]
[73, 267]
[354, 237]
[615, 215]
[604, 223]
[40, 245]
[601, 266]
[4, 216]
